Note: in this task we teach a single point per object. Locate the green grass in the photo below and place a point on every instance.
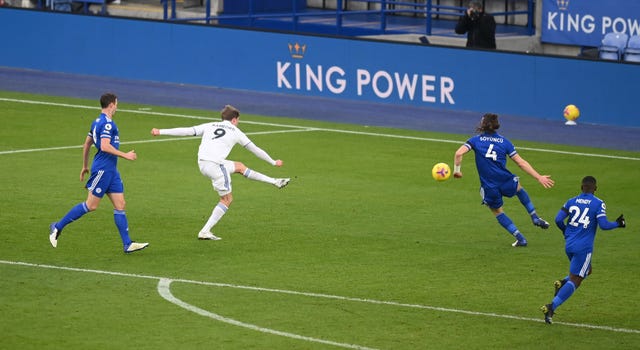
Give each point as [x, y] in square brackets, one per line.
[363, 248]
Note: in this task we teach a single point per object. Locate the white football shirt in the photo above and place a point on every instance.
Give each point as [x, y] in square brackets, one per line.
[218, 140]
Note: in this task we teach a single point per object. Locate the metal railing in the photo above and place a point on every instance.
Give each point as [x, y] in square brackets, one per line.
[383, 9]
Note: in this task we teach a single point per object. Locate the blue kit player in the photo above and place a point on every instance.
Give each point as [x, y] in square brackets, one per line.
[496, 181]
[585, 213]
[105, 178]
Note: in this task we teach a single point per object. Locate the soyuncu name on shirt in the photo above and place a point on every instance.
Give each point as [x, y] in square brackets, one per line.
[492, 139]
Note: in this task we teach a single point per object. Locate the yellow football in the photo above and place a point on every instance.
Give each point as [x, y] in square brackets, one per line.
[441, 172]
[571, 112]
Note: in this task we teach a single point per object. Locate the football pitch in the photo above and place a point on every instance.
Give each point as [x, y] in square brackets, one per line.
[362, 250]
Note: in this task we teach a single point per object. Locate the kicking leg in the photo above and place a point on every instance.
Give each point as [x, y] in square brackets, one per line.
[254, 175]
[523, 196]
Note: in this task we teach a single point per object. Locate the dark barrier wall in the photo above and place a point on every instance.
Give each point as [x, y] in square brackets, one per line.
[396, 73]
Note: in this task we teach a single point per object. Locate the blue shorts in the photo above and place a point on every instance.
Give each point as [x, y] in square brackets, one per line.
[492, 197]
[580, 263]
[102, 182]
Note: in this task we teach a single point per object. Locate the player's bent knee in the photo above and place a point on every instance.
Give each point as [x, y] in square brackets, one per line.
[240, 167]
[92, 206]
[226, 200]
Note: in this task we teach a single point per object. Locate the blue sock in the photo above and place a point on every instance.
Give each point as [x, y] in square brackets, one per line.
[523, 196]
[506, 222]
[74, 214]
[122, 224]
[563, 294]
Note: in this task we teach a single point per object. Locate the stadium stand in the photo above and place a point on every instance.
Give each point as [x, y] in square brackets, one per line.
[73, 5]
[632, 51]
[59, 5]
[518, 29]
[613, 46]
[87, 3]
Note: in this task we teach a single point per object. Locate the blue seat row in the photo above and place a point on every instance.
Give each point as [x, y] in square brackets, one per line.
[66, 5]
[620, 47]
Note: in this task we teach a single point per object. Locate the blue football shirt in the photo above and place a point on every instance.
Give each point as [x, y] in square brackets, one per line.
[491, 151]
[104, 127]
[585, 212]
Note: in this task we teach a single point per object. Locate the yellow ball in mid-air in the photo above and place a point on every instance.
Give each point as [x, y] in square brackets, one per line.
[571, 112]
[441, 172]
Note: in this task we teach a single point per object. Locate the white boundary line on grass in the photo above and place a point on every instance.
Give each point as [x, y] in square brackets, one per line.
[301, 128]
[164, 290]
[322, 296]
[30, 150]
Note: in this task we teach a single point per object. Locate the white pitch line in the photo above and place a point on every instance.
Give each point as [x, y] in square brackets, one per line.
[141, 111]
[148, 141]
[165, 292]
[594, 155]
[328, 296]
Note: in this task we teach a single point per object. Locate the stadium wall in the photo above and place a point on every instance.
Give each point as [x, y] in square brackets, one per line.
[341, 68]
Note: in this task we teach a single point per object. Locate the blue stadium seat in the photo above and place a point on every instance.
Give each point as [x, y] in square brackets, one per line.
[632, 51]
[613, 46]
[59, 5]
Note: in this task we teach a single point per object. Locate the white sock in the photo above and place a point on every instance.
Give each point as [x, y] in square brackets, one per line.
[254, 175]
[216, 215]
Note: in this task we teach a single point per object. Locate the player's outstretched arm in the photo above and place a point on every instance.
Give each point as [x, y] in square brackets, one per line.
[605, 224]
[189, 131]
[260, 153]
[544, 180]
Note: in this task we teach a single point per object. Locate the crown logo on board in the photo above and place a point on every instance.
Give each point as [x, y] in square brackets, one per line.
[297, 51]
[563, 4]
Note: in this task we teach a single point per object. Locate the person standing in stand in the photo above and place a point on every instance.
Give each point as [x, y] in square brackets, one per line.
[479, 26]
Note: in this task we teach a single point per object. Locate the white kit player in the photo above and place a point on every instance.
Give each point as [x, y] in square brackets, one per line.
[218, 139]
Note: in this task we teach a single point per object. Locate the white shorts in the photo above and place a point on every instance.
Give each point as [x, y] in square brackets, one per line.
[219, 173]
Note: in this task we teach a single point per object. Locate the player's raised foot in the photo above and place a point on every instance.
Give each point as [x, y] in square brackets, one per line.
[134, 247]
[519, 243]
[547, 310]
[208, 236]
[280, 183]
[540, 222]
[53, 234]
[557, 285]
